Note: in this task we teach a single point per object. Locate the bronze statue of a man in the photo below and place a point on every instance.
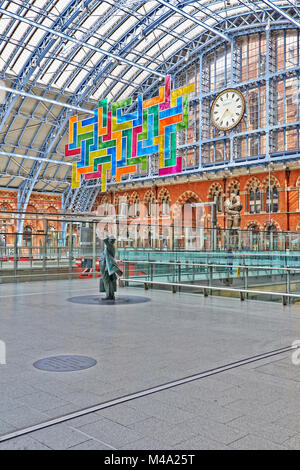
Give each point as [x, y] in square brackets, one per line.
[109, 269]
[233, 208]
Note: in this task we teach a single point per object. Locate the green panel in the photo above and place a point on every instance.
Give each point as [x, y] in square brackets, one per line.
[103, 104]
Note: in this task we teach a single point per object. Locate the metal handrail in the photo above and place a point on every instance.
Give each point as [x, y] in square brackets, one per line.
[190, 264]
[215, 253]
[284, 295]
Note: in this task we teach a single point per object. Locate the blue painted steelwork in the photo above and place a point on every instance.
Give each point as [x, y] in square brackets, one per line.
[233, 24]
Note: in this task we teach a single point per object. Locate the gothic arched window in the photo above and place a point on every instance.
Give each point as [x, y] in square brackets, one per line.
[27, 236]
[165, 204]
[254, 200]
[151, 206]
[136, 207]
[272, 199]
[218, 199]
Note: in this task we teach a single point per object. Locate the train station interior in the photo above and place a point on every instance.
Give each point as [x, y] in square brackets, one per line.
[149, 225]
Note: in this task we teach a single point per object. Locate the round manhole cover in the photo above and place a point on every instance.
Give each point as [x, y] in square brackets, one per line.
[65, 363]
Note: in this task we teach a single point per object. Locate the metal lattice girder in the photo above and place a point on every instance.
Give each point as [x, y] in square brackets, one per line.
[78, 42]
[43, 46]
[282, 12]
[193, 18]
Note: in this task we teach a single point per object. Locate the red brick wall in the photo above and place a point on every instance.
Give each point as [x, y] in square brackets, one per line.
[287, 217]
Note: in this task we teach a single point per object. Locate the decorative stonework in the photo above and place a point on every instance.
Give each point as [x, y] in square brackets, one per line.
[214, 187]
[231, 185]
[270, 181]
[148, 194]
[267, 223]
[163, 192]
[182, 199]
[254, 183]
[252, 223]
[133, 196]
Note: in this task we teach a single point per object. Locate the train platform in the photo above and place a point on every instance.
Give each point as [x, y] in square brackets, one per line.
[154, 370]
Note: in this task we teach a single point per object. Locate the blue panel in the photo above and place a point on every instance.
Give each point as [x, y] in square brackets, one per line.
[168, 131]
[112, 151]
[172, 111]
[125, 117]
[139, 120]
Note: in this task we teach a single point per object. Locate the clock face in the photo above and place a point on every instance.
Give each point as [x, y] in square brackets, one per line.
[227, 109]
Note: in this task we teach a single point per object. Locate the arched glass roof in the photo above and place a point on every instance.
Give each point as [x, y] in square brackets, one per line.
[80, 51]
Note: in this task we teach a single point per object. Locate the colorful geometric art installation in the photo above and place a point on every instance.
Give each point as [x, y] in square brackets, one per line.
[112, 143]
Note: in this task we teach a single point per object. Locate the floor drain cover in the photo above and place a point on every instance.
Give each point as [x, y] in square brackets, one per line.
[65, 363]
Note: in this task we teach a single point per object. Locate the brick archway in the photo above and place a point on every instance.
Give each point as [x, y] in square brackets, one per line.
[182, 200]
[268, 223]
[253, 182]
[251, 223]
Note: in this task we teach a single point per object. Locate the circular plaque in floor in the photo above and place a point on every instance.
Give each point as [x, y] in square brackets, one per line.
[65, 363]
[97, 300]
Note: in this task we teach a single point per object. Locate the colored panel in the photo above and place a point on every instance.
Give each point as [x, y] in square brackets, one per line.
[112, 143]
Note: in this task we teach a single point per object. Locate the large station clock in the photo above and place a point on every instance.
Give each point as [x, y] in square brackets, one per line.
[227, 109]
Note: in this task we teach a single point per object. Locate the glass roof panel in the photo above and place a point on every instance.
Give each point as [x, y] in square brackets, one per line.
[67, 64]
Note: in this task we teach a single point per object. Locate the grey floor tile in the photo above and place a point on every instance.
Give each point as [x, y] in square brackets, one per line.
[23, 443]
[90, 445]
[146, 443]
[290, 421]
[6, 428]
[122, 414]
[42, 401]
[59, 437]
[252, 442]
[23, 416]
[270, 431]
[163, 411]
[293, 442]
[110, 433]
[216, 431]
[200, 443]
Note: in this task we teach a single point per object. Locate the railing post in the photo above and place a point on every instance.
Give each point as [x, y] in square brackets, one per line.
[288, 284]
[126, 264]
[210, 277]
[15, 254]
[246, 281]
[45, 254]
[70, 249]
[94, 250]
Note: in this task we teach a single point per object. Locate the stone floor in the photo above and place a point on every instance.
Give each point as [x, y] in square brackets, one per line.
[254, 406]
